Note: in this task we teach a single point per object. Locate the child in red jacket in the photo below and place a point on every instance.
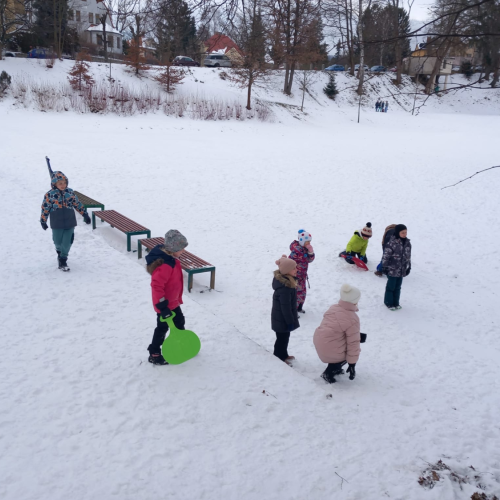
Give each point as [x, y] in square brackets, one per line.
[167, 285]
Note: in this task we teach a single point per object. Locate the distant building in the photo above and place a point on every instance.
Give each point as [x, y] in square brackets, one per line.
[85, 16]
[222, 44]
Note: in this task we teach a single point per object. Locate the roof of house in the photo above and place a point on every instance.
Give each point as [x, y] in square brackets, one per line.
[98, 28]
[219, 42]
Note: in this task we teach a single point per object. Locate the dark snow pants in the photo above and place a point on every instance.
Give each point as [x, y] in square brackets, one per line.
[63, 239]
[162, 329]
[393, 291]
[281, 345]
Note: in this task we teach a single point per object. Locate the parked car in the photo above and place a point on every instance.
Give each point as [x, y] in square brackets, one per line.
[41, 54]
[455, 68]
[377, 69]
[335, 67]
[9, 53]
[393, 69]
[184, 61]
[217, 60]
[356, 67]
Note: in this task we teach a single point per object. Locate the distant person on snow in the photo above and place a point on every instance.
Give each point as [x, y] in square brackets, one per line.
[358, 244]
[167, 285]
[337, 339]
[389, 231]
[284, 316]
[302, 253]
[396, 264]
[59, 203]
[377, 106]
[386, 106]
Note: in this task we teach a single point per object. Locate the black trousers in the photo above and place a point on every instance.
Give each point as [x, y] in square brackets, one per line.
[162, 329]
[281, 345]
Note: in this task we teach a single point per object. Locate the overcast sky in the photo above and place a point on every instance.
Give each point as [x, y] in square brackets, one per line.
[419, 9]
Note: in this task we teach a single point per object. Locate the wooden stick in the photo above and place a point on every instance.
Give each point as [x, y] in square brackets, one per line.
[497, 166]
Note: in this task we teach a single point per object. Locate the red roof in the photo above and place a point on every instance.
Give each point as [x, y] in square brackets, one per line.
[218, 42]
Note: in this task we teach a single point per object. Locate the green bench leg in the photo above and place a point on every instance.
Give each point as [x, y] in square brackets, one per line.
[212, 280]
[190, 281]
[128, 242]
[139, 250]
[93, 220]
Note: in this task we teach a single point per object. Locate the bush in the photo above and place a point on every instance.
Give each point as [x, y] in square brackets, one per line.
[331, 87]
[5, 81]
[467, 69]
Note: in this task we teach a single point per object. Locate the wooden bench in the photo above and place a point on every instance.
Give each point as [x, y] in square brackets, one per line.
[122, 223]
[89, 202]
[189, 262]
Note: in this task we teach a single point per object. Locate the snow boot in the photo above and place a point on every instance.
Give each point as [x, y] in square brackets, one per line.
[398, 308]
[378, 273]
[299, 309]
[63, 264]
[157, 359]
[289, 360]
[391, 308]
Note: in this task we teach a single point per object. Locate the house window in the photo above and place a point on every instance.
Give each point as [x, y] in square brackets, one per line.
[99, 39]
[97, 18]
[110, 41]
[71, 15]
[117, 42]
[91, 18]
[78, 16]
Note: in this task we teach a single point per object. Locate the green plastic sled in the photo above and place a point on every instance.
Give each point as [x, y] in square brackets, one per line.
[180, 345]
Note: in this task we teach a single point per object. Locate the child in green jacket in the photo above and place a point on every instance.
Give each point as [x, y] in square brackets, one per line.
[358, 244]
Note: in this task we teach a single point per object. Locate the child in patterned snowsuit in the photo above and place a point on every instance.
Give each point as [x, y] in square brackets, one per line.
[302, 253]
[59, 203]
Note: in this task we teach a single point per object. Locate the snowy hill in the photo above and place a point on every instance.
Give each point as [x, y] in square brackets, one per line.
[83, 415]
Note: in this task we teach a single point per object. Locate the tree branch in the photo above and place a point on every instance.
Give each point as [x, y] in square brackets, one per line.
[467, 178]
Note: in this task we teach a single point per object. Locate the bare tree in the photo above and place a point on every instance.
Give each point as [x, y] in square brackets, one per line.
[13, 19]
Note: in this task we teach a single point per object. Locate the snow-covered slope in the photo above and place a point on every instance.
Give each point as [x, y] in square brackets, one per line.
[84, 416]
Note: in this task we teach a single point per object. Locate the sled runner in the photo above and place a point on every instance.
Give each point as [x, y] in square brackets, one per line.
[180, 345]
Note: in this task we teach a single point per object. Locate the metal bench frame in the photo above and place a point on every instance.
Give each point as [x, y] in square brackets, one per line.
[102, 215]
[88, 202]
[190, 272]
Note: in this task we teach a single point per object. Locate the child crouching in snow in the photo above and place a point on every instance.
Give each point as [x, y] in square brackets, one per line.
[167, 285]
[284, 317]
[358, 244]
[337, 339]
[302, 253]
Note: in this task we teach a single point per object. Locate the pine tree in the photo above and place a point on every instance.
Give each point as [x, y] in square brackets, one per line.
[51, 23]
[331, 87]
[80, 72]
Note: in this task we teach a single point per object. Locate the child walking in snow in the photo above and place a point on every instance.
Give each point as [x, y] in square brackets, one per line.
[358, 244]
[302, 253]
[60, 203]
[284, 316]
[167, 285]
[337, 339]
[396, 264]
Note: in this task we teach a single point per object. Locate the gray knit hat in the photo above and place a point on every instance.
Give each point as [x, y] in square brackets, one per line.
[175, 241]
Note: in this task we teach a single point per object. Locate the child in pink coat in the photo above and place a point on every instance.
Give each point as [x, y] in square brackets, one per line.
[337, 339]
[302, 253]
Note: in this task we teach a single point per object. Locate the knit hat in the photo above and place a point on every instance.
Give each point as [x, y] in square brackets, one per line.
[398, 229]
[286, 265]
[304, 237]
[175, 241]
[367, 230]
[350, 294]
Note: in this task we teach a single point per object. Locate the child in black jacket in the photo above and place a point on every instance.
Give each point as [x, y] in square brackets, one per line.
[284, 316]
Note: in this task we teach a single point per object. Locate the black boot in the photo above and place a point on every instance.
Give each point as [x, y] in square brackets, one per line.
[331, 371]
[156, 358]
[63, 263]
[299, 309]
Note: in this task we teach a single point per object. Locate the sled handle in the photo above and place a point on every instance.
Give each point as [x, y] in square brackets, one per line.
[168, 320]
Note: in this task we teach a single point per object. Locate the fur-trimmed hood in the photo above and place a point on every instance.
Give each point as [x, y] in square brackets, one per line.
[283, 280]
[157, 257]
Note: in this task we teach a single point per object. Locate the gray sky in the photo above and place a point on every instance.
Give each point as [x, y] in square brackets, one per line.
[419, 9]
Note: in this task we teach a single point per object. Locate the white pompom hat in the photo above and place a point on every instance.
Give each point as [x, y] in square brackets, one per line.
[304, 237]
[350, 294]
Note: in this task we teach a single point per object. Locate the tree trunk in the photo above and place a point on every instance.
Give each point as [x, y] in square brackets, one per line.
[361, 71]
[249, 93]
[104, 36]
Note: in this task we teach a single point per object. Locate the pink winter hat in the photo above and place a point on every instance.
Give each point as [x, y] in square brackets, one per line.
[286, 265]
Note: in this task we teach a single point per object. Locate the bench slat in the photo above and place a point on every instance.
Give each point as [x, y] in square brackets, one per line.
[119, 221]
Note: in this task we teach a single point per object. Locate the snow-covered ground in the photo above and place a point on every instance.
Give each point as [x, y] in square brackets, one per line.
[84, 416]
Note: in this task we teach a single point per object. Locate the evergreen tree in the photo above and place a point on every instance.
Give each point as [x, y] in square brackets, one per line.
[331, 87]
[51, 23]
[175, 31]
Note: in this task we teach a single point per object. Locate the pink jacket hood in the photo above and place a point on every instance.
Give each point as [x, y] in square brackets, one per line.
[337, 338]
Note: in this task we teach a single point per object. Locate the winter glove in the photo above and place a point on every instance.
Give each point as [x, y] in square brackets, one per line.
[352, 371]
[348, 259]
[408, 272]
[310, 249]
[364, 258]
[162, 306]
[86, 218]
[44, 226]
